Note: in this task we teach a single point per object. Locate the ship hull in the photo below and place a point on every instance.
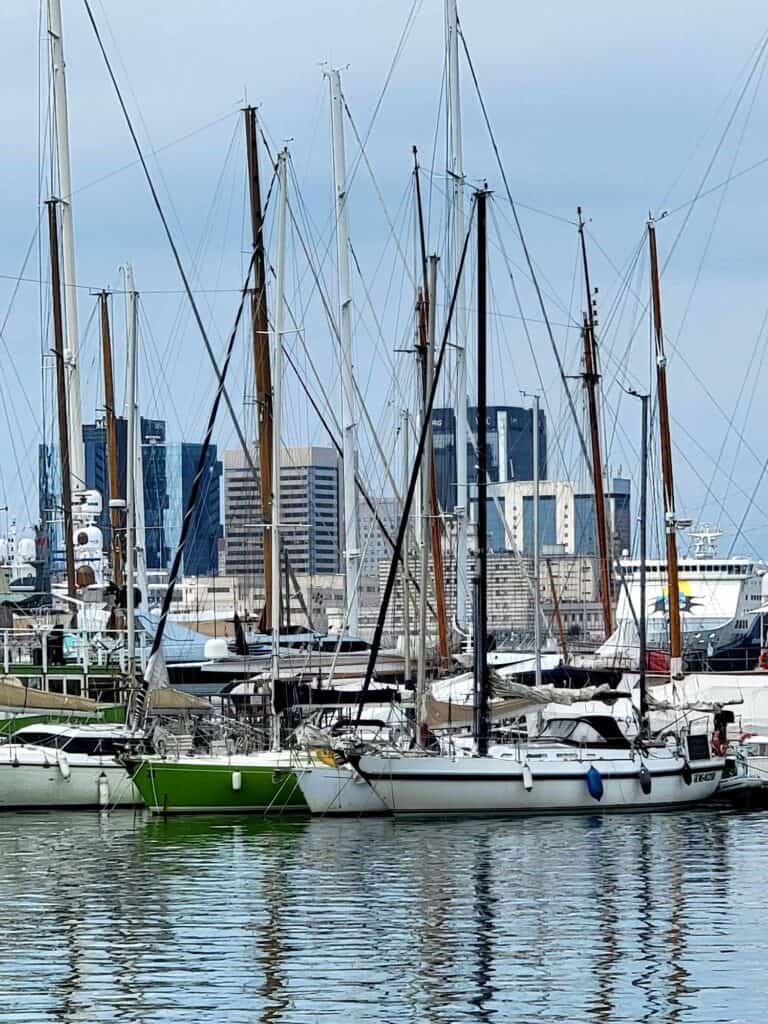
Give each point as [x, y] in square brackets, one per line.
[264, 783]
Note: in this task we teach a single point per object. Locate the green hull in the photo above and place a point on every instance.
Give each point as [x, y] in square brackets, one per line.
[209, 786]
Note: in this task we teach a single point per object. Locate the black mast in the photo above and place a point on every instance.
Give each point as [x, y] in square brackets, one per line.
[482, 720]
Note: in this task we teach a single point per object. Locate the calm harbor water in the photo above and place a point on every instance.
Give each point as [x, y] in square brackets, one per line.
[623, 918]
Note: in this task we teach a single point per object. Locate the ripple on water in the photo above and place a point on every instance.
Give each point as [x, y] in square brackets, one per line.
[613, 919]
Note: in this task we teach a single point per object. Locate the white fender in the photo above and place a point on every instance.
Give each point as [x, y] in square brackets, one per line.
[103, 786]
[527, 777]
[63, 763]
[237, 781]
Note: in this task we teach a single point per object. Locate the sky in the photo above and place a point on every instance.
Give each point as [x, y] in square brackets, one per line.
[621, 109]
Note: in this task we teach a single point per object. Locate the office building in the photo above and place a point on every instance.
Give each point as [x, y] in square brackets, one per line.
[311, 513]
[154, 474]
[566, 518]
[201, 549]
[374, 546]
[510, 448]
[168, 471]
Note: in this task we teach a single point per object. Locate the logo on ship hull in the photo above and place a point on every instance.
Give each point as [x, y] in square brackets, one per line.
[687, 603]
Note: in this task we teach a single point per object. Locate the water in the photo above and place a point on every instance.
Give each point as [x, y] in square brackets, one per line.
[621, 918]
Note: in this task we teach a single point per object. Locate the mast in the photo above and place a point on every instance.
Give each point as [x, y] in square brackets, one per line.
[536, 544]
[428, 522]
[406, 568]
[71, 342]
[261, 363]
[456, 176]
[591, 379]
[482, 731]
[348, 424]
[58, 348]
[135, 441]
[276, 425]
[426, 318]
[643, 554]
[130, 481]
[670, 522]
[111, 431]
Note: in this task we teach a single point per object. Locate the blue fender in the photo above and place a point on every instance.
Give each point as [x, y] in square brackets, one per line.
[595, 783]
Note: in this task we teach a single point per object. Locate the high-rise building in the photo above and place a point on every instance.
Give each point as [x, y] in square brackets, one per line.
[154, 473]
[201, 550]
[168, 471]
[566, 517]
[510, 447]
[311, 515]
[374, 546]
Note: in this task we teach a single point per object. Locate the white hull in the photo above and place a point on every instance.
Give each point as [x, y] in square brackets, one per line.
[30, 777]
[495, 785]
[339, 791]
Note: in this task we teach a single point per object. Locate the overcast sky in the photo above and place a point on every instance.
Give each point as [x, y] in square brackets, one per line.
[616, 107]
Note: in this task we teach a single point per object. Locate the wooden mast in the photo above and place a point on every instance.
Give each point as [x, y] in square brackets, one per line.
[426, 314]
[670, 525]
[261, 362]
[61, 395]
[591, 378]
[110, 422]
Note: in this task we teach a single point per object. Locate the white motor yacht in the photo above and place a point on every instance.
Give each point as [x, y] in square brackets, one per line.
[58, 765]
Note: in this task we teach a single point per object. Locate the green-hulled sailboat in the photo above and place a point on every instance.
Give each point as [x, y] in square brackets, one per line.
[243, 783]
[263, 782]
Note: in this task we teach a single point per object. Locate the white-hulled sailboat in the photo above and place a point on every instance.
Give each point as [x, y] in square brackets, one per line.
[578, 764]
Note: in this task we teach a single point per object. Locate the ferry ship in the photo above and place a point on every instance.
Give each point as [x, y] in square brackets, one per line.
[720, 601]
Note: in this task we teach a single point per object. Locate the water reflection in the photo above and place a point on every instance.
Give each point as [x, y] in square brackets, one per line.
[289, 921]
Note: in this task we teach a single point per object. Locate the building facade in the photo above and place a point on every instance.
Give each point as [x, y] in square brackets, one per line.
[510, 447]
[566, 518]
[201, 549]
[374, 546]
[167, 470]
[311, 512]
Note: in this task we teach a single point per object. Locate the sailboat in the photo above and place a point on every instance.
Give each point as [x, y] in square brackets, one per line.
[577, 764]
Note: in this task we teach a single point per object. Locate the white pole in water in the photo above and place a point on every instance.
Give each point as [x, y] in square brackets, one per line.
[130, 473]
[276, 430]
[68, 280]
[348, 423]
[456, 176]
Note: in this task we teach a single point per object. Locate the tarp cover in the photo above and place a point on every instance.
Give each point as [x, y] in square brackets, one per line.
[517, 699]
[13, 694]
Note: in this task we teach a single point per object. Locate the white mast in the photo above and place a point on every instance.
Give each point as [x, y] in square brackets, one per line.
[130, 477]
[348, 424]
[276, 430]
[71, 342]
[456, 176]
[135, 446]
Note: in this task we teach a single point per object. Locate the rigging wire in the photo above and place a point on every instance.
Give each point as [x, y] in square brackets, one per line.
[524, 245]
[170, 238]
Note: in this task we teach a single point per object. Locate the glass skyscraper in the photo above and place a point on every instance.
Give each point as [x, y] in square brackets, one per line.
[510, 448]
[168, 471]
[201, 550]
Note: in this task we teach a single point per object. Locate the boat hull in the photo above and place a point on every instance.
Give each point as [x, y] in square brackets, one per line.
[30, 781]
[441, 785]
[234, 785]
[339, 791]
